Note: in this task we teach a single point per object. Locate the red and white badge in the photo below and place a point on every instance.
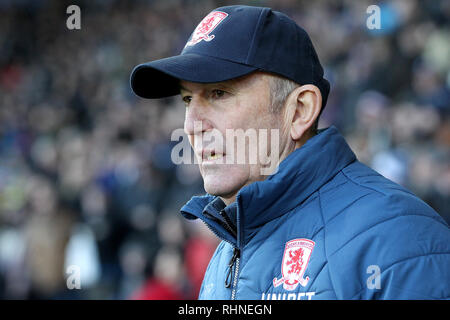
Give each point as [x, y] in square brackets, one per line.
[206, 26]
[295, 261]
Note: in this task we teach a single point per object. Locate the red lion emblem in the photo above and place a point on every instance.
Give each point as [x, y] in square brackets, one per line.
[295, 261]
[206, 26]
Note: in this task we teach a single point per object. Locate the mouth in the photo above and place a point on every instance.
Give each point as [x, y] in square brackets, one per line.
[211, 156]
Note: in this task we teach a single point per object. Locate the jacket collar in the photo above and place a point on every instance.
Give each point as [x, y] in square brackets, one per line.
[302, 173]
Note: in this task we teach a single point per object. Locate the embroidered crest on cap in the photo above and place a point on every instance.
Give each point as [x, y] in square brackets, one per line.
[206, 26]
[295, 261]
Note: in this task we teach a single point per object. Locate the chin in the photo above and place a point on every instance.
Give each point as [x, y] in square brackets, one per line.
[225, 183]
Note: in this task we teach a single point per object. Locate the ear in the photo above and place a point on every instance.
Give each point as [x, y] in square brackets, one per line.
[306, 102]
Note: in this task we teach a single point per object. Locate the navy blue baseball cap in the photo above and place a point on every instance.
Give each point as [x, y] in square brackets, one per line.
[231, 42]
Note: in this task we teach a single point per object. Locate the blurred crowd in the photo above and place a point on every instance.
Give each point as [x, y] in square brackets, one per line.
[88, 190]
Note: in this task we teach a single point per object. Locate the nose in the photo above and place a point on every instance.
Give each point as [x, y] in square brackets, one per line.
[195, 121]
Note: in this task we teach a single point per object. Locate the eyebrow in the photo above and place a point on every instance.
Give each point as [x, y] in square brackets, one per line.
[227, 84]
[183, 88]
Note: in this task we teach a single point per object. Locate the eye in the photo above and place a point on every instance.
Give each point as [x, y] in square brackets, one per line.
[217, 93]
[186, 100]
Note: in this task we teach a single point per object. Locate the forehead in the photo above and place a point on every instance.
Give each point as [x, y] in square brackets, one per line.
[251, 81]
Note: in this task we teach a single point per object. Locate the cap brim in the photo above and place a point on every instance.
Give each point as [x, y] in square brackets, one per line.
[160, 78]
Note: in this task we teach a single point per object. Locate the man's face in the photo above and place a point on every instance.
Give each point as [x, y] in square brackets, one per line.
[213, 109]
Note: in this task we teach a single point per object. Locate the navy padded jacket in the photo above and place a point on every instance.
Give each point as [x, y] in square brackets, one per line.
[325, 226]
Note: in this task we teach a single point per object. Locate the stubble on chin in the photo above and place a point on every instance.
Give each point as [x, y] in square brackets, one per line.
[225, 183]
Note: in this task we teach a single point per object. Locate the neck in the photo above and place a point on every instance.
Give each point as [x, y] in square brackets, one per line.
[305, 137]
[294, 145]
[228, 200]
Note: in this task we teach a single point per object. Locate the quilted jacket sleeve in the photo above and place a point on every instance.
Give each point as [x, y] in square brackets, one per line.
[421, 267]
[400, 249]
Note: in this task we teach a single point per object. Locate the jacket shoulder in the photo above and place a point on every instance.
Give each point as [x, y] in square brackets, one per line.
[372, 223]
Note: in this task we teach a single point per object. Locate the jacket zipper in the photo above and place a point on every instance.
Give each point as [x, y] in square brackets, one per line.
[236, 274]
[230, 279]
[235, 259]
[228, 224]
